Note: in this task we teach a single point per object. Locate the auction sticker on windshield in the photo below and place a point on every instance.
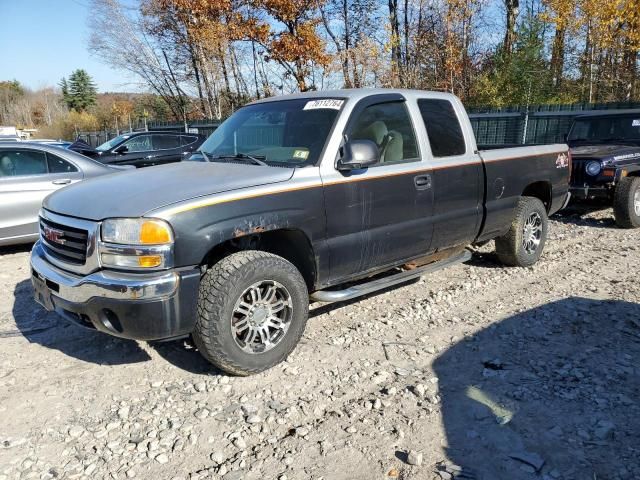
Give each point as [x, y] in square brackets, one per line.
[635, 123]
[331, 103]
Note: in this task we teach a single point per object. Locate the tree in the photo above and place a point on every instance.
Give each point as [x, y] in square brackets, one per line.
[79, 93]
[296, 46]
[512, 10]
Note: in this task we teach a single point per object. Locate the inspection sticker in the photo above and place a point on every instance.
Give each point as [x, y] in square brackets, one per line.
[301, 154]
[635, 123]
[331, 103]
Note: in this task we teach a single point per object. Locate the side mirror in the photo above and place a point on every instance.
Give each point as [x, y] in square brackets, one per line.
[358, 154]
[122, 149]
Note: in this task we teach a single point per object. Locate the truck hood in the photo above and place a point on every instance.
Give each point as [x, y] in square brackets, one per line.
[611, 153]
[135, 193]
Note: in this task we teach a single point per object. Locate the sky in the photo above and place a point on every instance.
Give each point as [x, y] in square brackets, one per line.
[42, 41]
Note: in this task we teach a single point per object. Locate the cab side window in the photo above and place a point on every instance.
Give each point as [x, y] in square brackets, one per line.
[443, 127]
[389, 126]
[14, 163]
[141, 143]
[58, 165]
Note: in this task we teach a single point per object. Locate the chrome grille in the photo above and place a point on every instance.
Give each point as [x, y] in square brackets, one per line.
[65, 243]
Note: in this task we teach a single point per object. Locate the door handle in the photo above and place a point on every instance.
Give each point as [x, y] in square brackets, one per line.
[63, 181]
[422, 182]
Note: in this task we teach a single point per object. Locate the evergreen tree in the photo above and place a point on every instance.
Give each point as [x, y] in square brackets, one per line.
[64, 88]
[79, 93]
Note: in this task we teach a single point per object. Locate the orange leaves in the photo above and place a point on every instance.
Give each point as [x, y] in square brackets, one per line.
[302, 45]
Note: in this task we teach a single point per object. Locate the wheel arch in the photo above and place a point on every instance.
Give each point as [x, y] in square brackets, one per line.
[541, 190]
[289, 243]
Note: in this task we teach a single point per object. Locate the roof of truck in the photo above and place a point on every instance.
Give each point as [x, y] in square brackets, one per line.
[352, 93]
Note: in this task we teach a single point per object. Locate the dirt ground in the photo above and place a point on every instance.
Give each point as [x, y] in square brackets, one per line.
[475, 372]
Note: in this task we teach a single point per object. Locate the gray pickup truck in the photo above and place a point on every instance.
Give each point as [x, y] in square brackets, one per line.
[320, 196]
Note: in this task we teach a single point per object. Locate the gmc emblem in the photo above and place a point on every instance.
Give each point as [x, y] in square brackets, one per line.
[53, 235]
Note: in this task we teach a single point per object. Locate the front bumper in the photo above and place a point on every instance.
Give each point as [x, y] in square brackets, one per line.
[141, 306]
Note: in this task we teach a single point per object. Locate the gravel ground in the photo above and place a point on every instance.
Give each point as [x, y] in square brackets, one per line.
[475, 372]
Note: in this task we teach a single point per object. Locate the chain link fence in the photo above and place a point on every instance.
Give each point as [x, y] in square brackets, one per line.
[536, 124]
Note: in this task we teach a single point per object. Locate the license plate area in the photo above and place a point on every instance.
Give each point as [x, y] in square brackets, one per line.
[42, 290]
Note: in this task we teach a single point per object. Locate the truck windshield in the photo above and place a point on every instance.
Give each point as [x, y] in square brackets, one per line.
[606, 129]
[284, 133]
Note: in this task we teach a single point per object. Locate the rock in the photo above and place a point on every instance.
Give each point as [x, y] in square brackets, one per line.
[604, 430]
[532, 459]
[75, 431]
[217, 457]
[240, 443]
[248, 409]
[123, 413]
[419, 390]
[156, 383]
[131, 473]
[200, 387]
[162, 458]
[201, 413]
[254, 418]
[380, 377]
[414, 458]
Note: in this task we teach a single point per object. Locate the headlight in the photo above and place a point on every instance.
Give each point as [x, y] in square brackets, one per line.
[593, 168]
[136, 231]
[136, 244]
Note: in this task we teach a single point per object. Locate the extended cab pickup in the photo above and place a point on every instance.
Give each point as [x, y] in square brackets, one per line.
[605, 148]
[323, 196]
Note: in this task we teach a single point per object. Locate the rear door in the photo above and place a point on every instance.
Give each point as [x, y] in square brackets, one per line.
[381, 215]
[166, 149]
[25, 179]
[457, 174]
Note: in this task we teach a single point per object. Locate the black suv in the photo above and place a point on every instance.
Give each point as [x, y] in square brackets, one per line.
[144, 149]
[606, 162]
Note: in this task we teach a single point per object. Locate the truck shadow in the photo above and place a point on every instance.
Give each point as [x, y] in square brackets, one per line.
[49, 330]
[10, 249]
[549, 393]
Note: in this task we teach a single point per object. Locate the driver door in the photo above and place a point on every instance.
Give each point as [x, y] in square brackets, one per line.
[139, 152]
[381, 215]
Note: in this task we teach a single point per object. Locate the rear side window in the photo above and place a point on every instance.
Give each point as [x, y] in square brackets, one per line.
[14, 163]
[58, 165]
[443, 127]
[165, 142]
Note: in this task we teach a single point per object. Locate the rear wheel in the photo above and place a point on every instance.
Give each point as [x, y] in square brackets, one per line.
[626, 203]
[523, 243]
[252, 311]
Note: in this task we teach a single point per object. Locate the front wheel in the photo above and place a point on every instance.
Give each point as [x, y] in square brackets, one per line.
[252, 310]
[626, 203]
[523, 243]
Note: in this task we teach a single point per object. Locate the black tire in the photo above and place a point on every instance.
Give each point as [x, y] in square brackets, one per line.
[510, 247]
[624, 199]
[222, 287]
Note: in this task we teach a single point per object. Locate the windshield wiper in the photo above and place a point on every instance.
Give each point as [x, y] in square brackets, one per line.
[257, 160]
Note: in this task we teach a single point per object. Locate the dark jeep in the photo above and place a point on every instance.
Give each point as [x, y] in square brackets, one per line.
[606, 162]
